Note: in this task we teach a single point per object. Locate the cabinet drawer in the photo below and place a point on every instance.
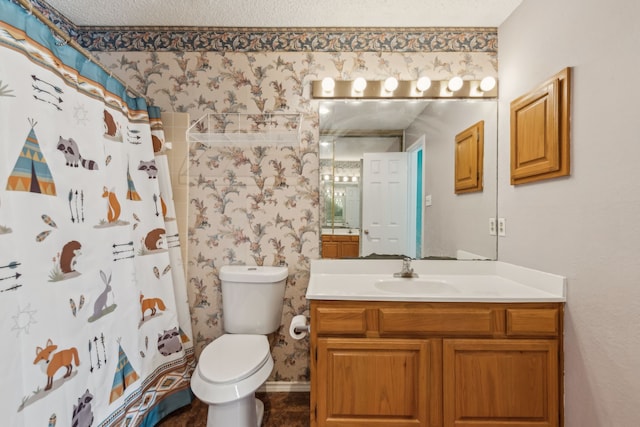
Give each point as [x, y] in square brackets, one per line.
[532, 322]
[441, 321]
[340, 321]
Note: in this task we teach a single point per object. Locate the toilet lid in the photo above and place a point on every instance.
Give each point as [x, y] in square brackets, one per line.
[233, 357]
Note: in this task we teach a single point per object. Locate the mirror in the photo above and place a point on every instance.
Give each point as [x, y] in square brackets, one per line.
[415, 141]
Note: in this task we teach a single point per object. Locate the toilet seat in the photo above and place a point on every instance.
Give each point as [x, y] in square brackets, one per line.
[240, 355]
[231, 367]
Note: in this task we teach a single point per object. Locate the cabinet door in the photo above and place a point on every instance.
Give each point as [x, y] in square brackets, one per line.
[511, 383]
[351, 248]
[373, 382]
[331, 249]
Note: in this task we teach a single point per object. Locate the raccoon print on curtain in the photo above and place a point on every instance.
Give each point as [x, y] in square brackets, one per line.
[95, 323]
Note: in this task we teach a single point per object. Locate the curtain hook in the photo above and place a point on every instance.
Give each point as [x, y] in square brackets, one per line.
[59, 41]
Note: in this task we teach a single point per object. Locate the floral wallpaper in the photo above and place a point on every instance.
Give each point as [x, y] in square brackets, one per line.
[254, 204]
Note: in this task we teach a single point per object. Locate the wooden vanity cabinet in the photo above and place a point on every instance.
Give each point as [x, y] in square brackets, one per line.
[373, 381]
[436, 364]
[340, 246]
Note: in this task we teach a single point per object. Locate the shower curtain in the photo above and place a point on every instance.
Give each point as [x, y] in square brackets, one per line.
[95, 326]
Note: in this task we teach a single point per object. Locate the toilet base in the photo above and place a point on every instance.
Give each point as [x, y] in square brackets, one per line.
[259, 411]
[245, 412]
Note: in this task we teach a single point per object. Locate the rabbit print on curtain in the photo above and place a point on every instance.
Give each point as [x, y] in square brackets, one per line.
[95, 323]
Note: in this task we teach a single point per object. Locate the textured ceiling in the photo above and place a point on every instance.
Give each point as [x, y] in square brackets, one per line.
[287, 13]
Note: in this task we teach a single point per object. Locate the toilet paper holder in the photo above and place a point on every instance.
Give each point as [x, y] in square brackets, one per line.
[302, 328]
[299, 327]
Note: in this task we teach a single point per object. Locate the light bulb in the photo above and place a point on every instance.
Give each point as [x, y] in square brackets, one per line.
[328, 84]
[423, 83]
[455, 84]
[391, 84]
[487, 84]
[359, 84]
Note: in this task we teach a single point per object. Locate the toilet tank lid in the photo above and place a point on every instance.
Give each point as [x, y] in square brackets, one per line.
[253, 273]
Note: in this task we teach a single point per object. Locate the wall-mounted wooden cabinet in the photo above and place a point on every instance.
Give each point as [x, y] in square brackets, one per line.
[340, 246]
[469, 159]
[540, 131]
[436, 364]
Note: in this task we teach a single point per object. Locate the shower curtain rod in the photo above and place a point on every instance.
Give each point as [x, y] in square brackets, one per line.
[28, 6]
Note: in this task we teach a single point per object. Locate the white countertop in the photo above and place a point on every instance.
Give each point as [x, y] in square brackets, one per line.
[342, 231]
[438, 281]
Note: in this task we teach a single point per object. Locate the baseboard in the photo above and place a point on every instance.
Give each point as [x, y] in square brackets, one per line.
[285, 387]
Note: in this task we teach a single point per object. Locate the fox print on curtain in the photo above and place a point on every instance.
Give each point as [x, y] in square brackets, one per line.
[95, 324]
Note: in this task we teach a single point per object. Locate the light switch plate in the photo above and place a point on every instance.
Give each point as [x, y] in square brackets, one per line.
[427, 200]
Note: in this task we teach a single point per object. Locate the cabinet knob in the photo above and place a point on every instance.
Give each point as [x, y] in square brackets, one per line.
[366, 231]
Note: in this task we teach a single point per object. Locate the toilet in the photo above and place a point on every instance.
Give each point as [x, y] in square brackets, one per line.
[232, 367]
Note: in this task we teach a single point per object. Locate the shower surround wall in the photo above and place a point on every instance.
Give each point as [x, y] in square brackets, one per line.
[260, 205]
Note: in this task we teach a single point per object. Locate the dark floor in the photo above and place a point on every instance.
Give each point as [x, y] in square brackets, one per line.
[280, 410]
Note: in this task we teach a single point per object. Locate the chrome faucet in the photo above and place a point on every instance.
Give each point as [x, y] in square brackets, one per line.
[407, 271]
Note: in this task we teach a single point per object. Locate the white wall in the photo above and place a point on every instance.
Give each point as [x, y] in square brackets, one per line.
[586, 226]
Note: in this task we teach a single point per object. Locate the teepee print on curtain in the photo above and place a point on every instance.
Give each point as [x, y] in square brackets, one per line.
[124, 376]
[132, 194]
[31, 172]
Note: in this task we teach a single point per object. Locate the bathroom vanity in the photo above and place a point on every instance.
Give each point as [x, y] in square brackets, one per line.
[340, 245]
[468, 343]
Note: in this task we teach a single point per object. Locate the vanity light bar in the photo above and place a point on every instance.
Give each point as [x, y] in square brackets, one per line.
[407, 89]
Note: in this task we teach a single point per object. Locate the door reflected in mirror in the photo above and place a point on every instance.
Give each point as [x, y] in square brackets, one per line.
[387, 179]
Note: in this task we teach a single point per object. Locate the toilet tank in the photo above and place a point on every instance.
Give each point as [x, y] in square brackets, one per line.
[252, 298]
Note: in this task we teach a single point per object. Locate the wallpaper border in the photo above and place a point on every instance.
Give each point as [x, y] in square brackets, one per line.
[176, 39]
[303, 39]
[55, 17]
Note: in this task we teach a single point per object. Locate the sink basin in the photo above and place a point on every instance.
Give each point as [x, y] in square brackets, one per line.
[416, 286]
[437, 281]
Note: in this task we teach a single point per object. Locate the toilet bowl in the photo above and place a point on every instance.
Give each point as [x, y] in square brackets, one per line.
[232, 367]
[229, 371]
